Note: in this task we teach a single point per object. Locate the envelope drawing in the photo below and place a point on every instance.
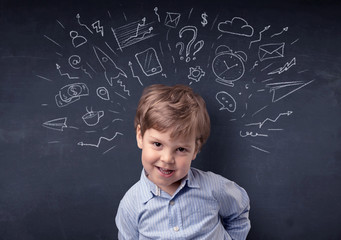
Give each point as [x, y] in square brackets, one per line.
[269, 51]
[172, 19]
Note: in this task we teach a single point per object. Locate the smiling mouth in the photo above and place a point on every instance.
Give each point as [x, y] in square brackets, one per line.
[165, 172]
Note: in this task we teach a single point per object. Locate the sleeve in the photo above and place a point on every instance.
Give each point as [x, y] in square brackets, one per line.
[126, 221]
[234, 209]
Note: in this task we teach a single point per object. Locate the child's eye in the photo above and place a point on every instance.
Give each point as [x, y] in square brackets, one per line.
[181, 149]
[157, 144]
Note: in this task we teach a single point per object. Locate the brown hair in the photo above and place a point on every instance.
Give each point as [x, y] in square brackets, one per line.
[173, 107]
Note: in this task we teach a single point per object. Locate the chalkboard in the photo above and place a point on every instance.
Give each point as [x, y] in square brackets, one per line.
[71, 76]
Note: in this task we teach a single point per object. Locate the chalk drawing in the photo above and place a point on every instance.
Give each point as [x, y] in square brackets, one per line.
[260, 124]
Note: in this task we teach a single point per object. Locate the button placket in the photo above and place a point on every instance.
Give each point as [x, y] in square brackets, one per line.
[173, 214]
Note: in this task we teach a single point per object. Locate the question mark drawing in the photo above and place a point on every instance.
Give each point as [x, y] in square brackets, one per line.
[182, 46]
[201, 44]
[190, 43]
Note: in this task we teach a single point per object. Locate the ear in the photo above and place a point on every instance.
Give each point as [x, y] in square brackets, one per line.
[139, 139]
[195, 155]
[197, 149]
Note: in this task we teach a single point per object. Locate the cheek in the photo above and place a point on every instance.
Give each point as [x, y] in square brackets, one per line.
[148, 156]
[185, 164]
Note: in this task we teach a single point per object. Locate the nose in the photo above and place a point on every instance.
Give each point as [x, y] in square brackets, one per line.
[167, 157]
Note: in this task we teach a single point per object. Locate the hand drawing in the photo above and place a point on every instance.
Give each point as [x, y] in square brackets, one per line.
[60, 24]
[172, 19]
[75, 61]
[270, 51]
[91, 118]
[132, 33]
[259, 149]
[103, 93]
[281, 90]
[71, 93]
[133, 73]
[260, 124]
[227, 101]
[276, 34]
[251, 134]
[204, 21]
[195, 74]
[200, 43]
[97, 26]
[64, 74]
[228, 66]
[184, 40]
[56, 124]
[53, 41]
[158, 16]
[237, 26]
[284, 68]
[149, 62]
[99, 141]
[260, 36]
[77, 40]
[109, 66]
[81, 24]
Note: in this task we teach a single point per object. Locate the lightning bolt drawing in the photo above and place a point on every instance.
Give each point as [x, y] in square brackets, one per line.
[132, 71]
[97, 26]
[285, 67]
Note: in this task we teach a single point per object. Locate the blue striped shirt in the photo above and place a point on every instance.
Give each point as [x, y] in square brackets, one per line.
[205, 206]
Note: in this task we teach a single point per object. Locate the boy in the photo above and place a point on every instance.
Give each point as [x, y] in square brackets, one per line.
[172, 200]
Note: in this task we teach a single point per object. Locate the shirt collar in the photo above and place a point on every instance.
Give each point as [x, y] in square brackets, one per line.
[150, 189]
[192, 182]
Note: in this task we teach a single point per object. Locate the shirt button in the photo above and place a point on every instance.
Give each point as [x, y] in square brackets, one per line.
[176, 228]
[171, 203]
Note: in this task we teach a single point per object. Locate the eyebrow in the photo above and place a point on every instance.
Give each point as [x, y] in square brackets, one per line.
[183, 144]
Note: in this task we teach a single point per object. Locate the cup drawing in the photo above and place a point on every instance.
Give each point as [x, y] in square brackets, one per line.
[91, 118]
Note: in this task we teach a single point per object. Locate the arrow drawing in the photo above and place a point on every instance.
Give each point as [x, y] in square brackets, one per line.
[285, 67]
[99, 141]
[260, 124]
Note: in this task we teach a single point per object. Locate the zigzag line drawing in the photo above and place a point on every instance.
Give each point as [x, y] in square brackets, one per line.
[260, 124]
[64, 74]
[119, 81]
[285, 67]
[97, 26]
[99, 141]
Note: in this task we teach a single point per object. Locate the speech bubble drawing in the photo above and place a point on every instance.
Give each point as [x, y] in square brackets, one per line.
[227, 101]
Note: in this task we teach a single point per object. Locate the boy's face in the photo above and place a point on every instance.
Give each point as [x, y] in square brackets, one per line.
[166, 160]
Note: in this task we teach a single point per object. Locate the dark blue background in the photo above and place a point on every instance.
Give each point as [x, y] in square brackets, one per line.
[59, 190]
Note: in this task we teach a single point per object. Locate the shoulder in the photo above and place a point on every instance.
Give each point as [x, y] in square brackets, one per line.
[127, 213]
[220, 186]
[133, 193]
[130, 202]
[209, 177]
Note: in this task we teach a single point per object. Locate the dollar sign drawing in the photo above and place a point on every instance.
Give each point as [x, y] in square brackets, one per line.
[73, 91]
[204, 20]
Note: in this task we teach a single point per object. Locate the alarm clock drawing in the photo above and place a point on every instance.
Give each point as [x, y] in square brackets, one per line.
[228, 66]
